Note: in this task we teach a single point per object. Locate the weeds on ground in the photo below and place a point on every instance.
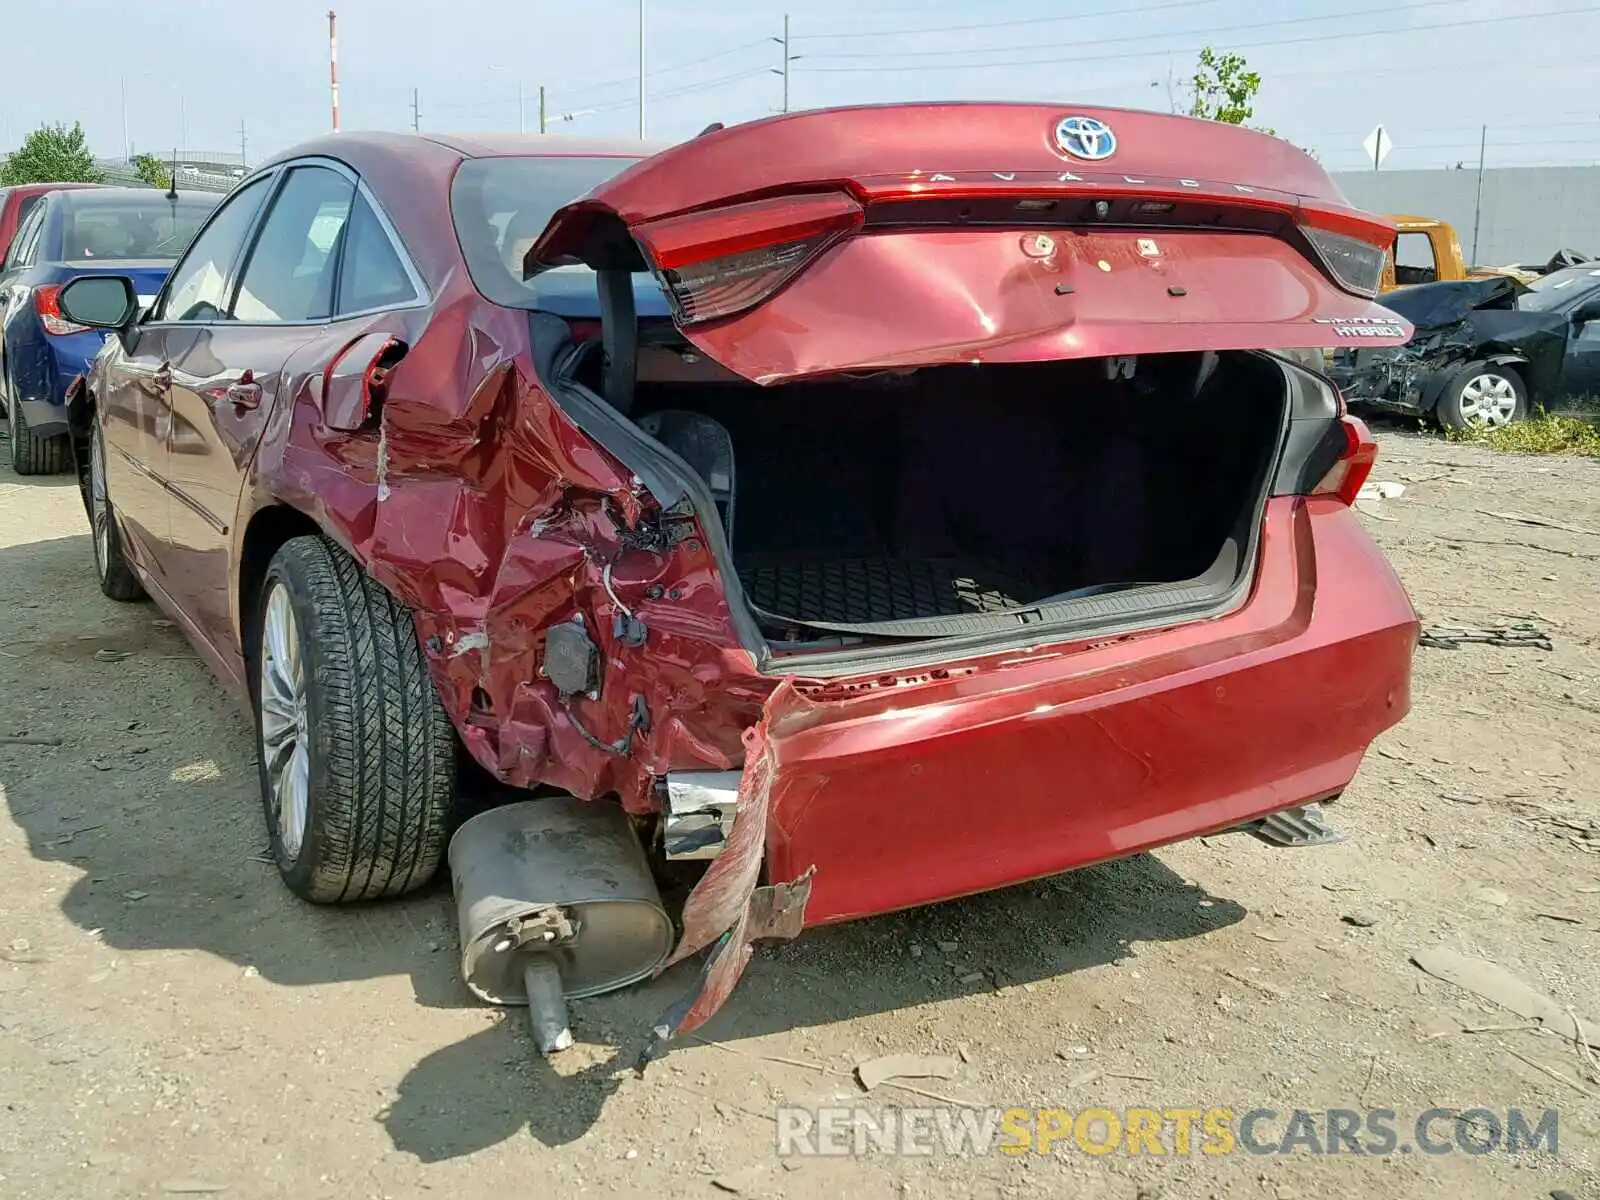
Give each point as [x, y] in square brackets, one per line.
[1550, 433]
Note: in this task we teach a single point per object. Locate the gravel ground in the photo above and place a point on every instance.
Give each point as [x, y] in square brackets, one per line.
[173, 1022]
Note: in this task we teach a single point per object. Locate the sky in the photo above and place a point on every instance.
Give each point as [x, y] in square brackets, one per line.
[1433, 73]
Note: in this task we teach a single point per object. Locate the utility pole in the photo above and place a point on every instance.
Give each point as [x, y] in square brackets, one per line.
[641, 70]
[333, 64]
[1477, 208]
[416, 113]
[787, 59]
[541, 108]
[243, 143]
[522, 111]
[127, 146]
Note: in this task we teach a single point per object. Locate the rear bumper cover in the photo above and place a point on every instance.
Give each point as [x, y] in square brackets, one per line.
[1059, 758]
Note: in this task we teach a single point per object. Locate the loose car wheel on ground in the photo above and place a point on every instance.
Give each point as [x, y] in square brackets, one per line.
[32, 455]
[1481, 396]
[357, 756]
[117, 579]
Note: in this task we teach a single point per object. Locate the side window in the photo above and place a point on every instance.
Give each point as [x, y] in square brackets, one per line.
[290, 274]
[23, 245]
[1413, 259]
[29, 203]
[372, 275]
[197, 290]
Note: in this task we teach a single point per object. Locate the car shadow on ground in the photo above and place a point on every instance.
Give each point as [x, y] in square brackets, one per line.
[152, 797]
[490, 1087]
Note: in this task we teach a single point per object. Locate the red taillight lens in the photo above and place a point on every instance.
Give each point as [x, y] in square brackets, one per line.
[1347, 476]
[48, 305]
[715, 264]
[1356, 265]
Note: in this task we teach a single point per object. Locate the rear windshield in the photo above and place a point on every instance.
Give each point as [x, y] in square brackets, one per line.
[123, 229]
[501, 205]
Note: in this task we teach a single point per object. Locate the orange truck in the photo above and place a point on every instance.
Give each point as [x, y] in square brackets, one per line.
[1425, 250]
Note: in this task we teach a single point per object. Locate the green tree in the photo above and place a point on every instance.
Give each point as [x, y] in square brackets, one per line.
[51, 154]
[1223, 88]
[152, 170]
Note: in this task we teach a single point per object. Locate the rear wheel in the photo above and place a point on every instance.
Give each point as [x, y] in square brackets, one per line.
[31, 454]
[357, 756]
[117, 579]
[1483, 396]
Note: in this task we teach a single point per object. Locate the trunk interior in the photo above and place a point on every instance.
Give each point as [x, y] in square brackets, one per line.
[938, 494]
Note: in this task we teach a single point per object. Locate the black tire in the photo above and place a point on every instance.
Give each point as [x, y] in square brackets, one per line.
[1455, 411]
[380, 750]
[30, 454]
[111, 565]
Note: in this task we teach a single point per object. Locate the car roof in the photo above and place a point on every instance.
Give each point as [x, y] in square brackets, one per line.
[96, 197]
[363, 146]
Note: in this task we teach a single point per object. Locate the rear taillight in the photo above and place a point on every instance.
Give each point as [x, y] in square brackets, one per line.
[718, 263]
[46, 301]
[1355, 265]
[1348, 475]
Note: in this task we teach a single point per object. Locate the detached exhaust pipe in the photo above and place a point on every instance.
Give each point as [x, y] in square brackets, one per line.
[555, 902]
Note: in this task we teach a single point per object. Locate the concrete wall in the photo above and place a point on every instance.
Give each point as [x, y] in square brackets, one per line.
[1528, 212]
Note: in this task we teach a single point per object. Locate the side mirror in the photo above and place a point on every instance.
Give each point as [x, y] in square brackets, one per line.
[1586, 313]
[100, 301]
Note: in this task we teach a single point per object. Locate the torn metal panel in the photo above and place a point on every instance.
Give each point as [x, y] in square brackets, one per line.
[727, 911]
[472, 497]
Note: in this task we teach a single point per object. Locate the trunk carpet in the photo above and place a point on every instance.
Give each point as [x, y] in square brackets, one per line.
[861, 590]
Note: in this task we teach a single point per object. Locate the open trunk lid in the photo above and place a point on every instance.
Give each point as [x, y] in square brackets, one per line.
[908, 235]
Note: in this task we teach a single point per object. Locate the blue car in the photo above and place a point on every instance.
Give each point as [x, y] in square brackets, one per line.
[138, 232]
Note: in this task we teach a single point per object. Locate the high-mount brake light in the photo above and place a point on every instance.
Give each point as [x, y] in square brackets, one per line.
[1348, 476]
[1356, 265]
[722, 262]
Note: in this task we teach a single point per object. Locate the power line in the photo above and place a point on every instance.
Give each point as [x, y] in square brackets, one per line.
[1384, 10]
[671, 93]
[1125, 54]
[632, 81]
[1084, 16]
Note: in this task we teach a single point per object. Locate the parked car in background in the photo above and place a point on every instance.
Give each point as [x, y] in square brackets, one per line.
[1486, 351]
[927, 464]
[67, 234]
[17, 201]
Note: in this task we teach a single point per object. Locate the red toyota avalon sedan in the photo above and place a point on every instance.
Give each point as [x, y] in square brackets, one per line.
[879, 504]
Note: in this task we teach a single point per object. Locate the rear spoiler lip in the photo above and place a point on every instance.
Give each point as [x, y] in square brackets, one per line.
[569, 238]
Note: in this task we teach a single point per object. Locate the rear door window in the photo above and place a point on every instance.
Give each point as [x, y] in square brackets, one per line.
[25, 246]
[291, 271]
[198, 288]
[372, 275]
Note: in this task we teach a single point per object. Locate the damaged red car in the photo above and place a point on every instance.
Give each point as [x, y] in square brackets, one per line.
[878, 505]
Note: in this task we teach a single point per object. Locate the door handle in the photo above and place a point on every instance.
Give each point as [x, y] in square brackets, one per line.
[244, 394]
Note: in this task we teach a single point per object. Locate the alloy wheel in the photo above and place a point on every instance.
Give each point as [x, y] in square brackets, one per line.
[99, 506]
[285, 724]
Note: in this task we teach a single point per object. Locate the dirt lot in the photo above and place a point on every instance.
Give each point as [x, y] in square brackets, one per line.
[173, 1022]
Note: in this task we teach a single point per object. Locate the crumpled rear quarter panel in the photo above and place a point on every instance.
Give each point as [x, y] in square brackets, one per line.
[476, 501]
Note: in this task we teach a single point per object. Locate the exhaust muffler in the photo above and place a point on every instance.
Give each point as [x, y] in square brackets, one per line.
[555, 902]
